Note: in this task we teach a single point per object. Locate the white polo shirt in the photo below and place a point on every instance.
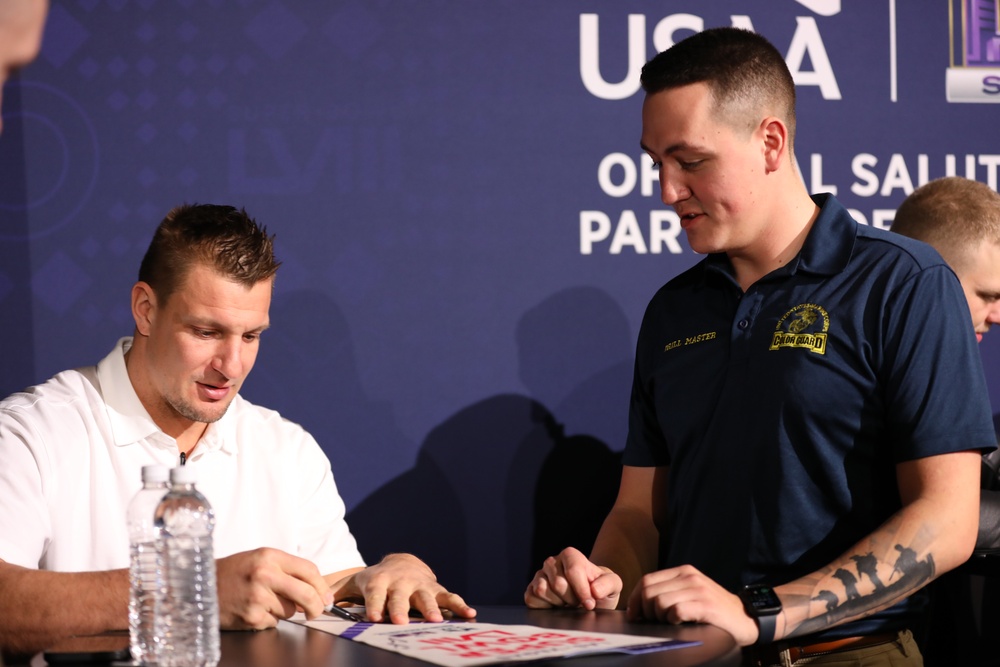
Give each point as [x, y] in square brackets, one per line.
[71, 456]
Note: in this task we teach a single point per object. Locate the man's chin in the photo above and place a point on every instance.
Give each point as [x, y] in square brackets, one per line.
[215, 414]
[205, 414]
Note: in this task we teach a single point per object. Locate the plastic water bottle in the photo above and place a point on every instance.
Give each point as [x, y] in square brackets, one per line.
[188, 612]
[143, 575]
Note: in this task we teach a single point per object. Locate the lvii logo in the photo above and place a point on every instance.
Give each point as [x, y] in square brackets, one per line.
[974, 38]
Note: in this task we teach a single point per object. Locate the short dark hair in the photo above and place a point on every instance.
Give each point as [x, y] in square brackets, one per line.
[222, 237]
[745, 73]
[953, 214]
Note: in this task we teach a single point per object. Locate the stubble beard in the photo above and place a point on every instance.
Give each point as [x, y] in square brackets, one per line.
[190, 412]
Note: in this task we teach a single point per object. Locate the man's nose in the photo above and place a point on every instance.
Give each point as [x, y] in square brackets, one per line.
[671, 188]
[993, 317]
[229, 358]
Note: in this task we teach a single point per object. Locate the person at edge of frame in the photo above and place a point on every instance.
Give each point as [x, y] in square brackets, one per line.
[21, 25]
[960, 218]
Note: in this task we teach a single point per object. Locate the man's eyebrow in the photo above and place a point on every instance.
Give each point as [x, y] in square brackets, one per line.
[990, 295]
[257, 330]
[214, 325]
[673, 148]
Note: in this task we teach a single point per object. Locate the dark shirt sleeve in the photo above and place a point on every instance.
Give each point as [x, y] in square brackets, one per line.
[934, 375]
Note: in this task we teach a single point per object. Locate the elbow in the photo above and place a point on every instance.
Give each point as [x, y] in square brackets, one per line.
[956, 539]
[954, 551]
[966, 547]
[964, 539]
[968, 537]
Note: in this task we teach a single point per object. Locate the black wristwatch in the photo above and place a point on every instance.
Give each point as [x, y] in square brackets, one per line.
[762, 605]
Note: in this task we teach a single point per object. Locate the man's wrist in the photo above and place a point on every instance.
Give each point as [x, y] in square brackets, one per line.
[762, 604]
[765, 628]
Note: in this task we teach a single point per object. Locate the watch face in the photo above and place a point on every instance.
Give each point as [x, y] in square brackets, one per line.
[760, 599]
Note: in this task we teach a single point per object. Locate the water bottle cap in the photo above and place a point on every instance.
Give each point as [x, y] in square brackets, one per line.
[155, 473]
[182, 475]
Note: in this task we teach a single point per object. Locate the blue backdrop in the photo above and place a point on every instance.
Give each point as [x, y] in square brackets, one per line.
[469, 230]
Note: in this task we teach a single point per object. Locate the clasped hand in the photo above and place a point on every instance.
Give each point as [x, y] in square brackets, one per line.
[675, 595]
[571, 580]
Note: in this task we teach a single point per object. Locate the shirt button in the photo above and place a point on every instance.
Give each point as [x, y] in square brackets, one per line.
[743, 324]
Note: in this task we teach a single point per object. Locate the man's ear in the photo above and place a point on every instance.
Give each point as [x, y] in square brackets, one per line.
[143, 307]
[775, 141]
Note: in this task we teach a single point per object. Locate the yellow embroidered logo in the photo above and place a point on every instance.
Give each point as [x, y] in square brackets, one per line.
[690, 340]
[804, 326]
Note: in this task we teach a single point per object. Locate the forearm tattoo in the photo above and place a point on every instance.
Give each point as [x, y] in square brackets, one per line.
[861, 585]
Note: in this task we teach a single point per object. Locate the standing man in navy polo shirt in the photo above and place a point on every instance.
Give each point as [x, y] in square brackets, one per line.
[808, 404]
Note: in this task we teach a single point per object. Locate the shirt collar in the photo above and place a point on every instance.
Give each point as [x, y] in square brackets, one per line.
[131, 423]
[220, 435]
[830, 243]
[827, 249]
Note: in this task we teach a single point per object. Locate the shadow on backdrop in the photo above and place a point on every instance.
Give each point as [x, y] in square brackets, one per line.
[574, 353]
[499, 482]
[466, 507]
[307, 371]
[17, 371]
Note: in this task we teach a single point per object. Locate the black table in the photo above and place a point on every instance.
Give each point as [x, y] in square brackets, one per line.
[293, 645]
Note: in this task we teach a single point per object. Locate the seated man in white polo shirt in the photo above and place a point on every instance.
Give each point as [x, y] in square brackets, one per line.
[71, 452]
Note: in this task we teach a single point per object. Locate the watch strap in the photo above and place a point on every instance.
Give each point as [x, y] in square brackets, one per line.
[763, 605]
[766, 624]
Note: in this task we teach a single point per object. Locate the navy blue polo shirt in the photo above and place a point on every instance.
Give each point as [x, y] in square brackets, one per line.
[783, 411]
